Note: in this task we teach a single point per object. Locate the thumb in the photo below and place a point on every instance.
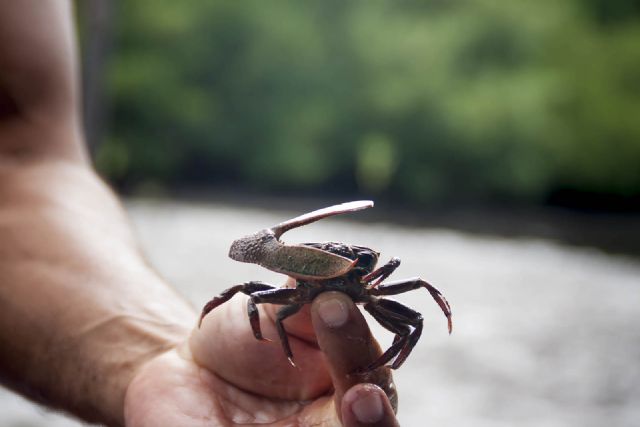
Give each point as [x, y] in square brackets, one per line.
[346, 341]
[367, 405]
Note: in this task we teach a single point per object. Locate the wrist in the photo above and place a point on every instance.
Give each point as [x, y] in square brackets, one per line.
[97, 368]
[83, 311]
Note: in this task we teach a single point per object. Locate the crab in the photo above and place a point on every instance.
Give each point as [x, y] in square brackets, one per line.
[330, 266]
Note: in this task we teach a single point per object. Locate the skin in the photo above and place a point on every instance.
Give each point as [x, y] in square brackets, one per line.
[88, 327]
[251, 380]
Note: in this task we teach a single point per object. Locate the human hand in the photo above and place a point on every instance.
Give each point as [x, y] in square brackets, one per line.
[224, 376]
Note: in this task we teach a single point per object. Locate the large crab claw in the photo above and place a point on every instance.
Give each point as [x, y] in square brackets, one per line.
[299, 261]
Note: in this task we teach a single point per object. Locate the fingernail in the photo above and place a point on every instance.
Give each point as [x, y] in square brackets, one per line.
[368, 407]
[333, 312]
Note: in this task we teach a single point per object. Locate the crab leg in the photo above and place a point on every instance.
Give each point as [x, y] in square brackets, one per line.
[294, 301]
[397, 318]
[398, 287]
[382, 273]
[246, 288]
[400, 329]
[283, 313]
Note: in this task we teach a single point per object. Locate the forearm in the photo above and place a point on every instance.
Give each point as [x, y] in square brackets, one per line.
[80, 310]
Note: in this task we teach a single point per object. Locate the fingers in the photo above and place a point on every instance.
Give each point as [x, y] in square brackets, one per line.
[346, 341]
[225, 345]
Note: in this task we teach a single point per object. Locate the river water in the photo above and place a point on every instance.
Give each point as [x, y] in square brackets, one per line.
[544, 334]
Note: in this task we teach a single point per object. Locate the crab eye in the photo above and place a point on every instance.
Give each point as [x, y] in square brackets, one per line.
[367, 259]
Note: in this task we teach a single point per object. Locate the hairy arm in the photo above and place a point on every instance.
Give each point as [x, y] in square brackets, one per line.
[80, 310]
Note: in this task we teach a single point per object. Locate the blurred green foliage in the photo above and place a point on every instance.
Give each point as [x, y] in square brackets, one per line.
[417, 101]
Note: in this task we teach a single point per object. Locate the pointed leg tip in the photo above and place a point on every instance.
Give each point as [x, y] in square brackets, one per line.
[290, 359]
[260, 338]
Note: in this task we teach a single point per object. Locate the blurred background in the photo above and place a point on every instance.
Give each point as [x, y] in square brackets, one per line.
[413, 102]
[500, 141]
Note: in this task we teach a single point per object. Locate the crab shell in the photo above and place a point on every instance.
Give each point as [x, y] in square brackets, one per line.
[298, 261]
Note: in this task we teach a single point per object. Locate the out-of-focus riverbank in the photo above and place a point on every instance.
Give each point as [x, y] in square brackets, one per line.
[544, 334]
